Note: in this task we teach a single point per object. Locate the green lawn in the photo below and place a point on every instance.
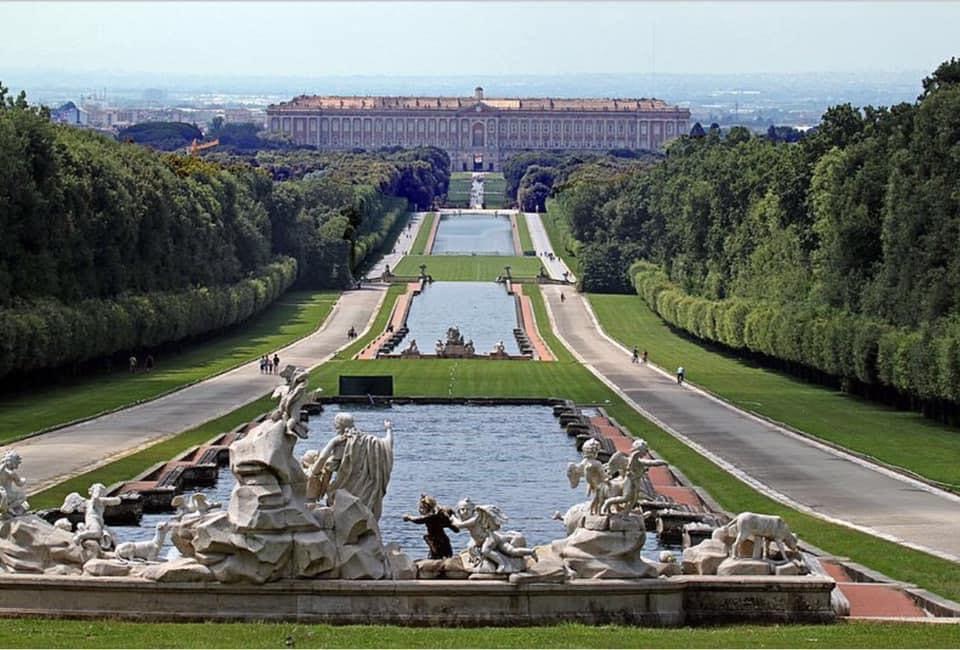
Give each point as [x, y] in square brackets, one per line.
[902, 438]
[567, 378]
[40, 633]
[526, 242]
[420, 243]
[494, 190]
[292, 316]
[458, 193]
[468, 267]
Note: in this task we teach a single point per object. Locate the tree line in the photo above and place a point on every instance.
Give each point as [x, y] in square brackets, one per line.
[103, 234]
[834, 253]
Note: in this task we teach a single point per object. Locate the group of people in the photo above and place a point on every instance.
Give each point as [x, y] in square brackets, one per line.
[270, 365]
[642, 358]
[134, 364]
[637, 357]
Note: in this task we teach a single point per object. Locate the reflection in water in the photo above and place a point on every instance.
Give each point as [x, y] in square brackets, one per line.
[511, 456]
[471, 233]
[484, 311]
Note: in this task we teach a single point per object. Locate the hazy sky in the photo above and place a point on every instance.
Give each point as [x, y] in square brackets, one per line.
[454, 38]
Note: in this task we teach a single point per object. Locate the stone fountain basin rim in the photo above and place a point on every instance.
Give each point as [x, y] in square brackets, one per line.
[607, 586]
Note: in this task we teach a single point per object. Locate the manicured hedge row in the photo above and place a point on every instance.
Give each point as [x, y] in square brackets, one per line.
[924, 363]
[47, 333]
[391, 210]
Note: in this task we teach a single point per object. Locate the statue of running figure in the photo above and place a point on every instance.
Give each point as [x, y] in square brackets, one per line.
[487, 543]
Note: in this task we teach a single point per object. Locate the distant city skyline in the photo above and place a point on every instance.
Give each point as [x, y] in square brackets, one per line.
[303, 39]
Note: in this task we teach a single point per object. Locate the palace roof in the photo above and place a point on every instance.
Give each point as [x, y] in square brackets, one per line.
[537, 104]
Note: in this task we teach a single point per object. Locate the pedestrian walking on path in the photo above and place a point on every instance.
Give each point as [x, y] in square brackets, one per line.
[562, 297]
[644, 356]
[276, 363]
[636, 355]
[680, 375]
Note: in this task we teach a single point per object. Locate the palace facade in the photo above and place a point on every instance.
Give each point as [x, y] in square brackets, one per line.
[478, 133]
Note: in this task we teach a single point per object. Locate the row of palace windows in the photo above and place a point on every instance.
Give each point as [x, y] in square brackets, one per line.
[432, 126]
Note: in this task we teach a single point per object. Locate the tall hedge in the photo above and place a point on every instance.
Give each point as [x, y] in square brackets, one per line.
[46, 333]
[922, 363]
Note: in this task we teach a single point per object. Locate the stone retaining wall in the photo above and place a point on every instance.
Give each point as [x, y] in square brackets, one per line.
[681, 600]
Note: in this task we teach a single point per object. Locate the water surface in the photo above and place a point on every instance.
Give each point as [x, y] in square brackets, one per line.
[511, 456]
[473, 233]
[484, 312]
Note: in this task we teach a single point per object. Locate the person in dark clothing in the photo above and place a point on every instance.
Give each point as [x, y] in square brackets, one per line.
[436, 519]
[636, 355]
[276, 363]
[148, 364]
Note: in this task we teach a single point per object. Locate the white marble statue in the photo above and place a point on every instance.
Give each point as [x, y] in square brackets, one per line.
[412, 349]
[93, 507]
[148, 550]
[742, 547]
[356, 462]
[627, 488]
[593, 472]
[196, 504]
[500, 349]
[490, 550]
[759, 529]
[293, 395]
[13, 498]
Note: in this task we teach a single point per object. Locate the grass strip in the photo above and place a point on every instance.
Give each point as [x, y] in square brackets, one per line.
[420, 243]
[484, 268]
[901, 438]
[33, 632]
[526, 241]
[293, 316]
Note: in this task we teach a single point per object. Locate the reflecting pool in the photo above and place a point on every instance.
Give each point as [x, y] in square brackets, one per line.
[483, 311]
[473, 233]
[511, 456]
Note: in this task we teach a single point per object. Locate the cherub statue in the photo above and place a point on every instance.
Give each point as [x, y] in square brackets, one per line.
[468, 348]
[500, 348]
[13, 499]
[592, 471]
[412, 348]
[93, 508]
[356, 462]
[631, 470]
[436, 518]
[487, 543]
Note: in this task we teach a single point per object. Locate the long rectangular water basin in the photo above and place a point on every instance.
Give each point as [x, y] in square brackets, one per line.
[473, 233]
[483, 311]
[514, 457]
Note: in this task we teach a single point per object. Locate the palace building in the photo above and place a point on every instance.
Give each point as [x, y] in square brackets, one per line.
[478, 133]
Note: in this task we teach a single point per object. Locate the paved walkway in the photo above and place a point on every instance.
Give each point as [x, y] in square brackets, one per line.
[789, 467]
[401, 248]
[52, 457]
[57, 455]
[541, 242]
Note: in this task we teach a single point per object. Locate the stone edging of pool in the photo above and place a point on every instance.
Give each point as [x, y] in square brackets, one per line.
[675, 601]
